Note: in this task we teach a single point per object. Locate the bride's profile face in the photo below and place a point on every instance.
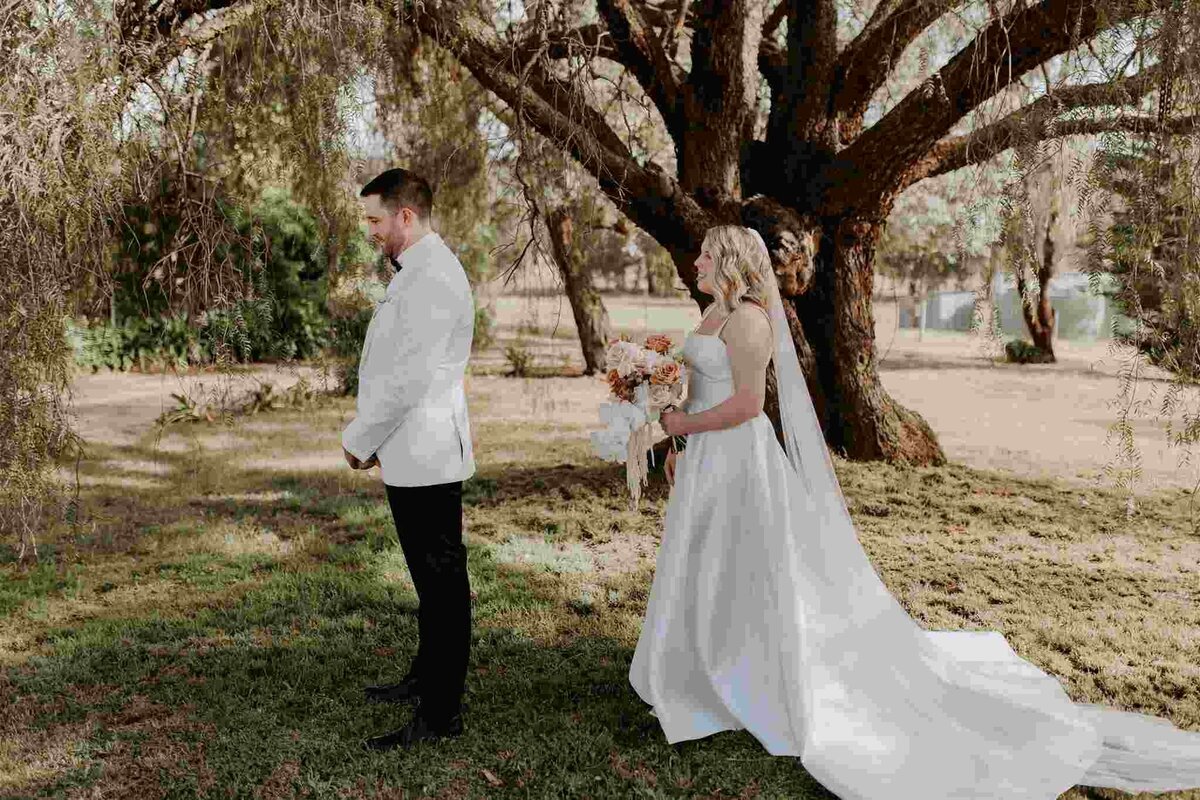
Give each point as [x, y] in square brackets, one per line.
[704, 272]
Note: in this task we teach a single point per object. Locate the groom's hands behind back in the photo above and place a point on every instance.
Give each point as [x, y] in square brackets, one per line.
[354, 463]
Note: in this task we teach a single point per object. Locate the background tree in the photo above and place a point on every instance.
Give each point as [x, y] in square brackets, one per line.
[1037, 231]
[568, 243]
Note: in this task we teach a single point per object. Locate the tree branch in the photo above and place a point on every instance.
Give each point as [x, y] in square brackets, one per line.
[952, 154]
[870, 57]
[1035, 121]
[777, 16]
[143, 23]
[155, 39]
[721, 90]
[584, 40]
[1001, 53]
[772, 63]
[800, 98]
[677, 28]
[643, 54]
[558, 111]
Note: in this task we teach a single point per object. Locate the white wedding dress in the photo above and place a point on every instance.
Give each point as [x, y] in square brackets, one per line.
[766, 615]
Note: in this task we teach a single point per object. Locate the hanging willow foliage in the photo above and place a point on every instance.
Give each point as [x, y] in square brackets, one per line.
[99, 109]
[1142, 202]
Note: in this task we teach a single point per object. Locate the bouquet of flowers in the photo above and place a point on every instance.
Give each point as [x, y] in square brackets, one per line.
[644, 379]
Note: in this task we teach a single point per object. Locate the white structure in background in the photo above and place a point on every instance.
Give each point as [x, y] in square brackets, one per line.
[1080, 313]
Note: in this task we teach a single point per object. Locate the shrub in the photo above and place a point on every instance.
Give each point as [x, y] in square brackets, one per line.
[1018, 351]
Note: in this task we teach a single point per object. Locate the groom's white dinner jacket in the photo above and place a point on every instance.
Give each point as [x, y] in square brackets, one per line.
[412, 407]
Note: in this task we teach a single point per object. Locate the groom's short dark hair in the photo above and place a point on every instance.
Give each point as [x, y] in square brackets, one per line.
[400, 188]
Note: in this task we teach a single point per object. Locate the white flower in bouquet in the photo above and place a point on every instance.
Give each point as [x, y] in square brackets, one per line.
[649, 361]
[622, 356]
[621, 420]
[374, 290]
[622, 416]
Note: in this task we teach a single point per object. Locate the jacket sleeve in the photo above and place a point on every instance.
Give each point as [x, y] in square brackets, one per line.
[413, 336]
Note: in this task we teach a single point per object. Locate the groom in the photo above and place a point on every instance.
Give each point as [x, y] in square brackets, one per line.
[412, 422]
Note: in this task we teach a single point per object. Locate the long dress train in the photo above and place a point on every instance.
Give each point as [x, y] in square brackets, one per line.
[761, 617]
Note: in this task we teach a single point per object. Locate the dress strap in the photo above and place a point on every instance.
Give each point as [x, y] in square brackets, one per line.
[724, 322]
[704, 316]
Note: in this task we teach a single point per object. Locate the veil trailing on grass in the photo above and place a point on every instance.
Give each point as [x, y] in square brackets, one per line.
[883, 707]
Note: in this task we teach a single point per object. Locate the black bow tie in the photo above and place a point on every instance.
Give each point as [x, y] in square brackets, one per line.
[396, 265]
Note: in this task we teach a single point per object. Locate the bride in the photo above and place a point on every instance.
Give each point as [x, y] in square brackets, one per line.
[766, 615]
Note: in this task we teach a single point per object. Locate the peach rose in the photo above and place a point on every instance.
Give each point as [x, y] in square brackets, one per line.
[659, 343]
[666, 373]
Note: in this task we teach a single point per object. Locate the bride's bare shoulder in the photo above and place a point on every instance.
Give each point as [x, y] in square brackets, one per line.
[753, 310]
[750, 327]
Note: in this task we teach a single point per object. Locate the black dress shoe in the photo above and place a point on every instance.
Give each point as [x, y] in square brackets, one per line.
[405, 691]
[418, 730]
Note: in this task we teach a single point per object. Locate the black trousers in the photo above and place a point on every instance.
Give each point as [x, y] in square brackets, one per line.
[429, 523]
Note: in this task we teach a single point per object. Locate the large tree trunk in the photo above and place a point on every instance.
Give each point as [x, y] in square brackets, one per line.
[591, 318]
[860, 419]
[826, 278]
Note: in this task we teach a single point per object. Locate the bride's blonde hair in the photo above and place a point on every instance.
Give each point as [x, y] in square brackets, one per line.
[742, 266]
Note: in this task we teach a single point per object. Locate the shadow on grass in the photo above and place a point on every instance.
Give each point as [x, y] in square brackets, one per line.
[265, 693]
[215, 660]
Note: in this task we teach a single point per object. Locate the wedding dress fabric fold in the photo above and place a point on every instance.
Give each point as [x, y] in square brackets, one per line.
[766, 615]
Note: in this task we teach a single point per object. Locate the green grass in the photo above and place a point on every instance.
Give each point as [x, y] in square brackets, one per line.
[209, 635]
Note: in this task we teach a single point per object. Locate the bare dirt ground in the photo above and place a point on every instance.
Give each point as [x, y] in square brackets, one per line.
[1032, 420]
[1045, 420]
[119, 408]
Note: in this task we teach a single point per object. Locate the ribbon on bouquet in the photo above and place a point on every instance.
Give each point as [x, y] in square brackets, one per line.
[641, 439]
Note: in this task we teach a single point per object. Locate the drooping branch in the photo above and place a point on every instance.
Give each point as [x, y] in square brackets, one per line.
[865, 63]
[1038, 121]
[642, 52]
[152, 38]
[1001, 53]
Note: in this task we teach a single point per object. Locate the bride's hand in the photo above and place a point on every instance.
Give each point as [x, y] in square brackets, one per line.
[671, 420]
[669, 467]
